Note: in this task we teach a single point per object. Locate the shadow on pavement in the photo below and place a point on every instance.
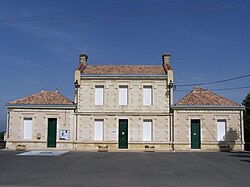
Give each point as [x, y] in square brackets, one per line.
[248, 161]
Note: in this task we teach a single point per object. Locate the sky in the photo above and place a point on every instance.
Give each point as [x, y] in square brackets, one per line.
[40, 43]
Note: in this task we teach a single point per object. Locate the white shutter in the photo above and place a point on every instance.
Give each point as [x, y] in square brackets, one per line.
[27, 128]
[123, 95]
[221, 130]
[98, 130]
[147, 130]
[99, 95]
[147, 95]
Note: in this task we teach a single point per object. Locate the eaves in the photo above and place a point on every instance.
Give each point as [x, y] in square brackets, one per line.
[40, 106]
[123, 76]
[208, 107]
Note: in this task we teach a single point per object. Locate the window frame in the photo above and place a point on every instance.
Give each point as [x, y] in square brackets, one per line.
[123, 91]
[27, 128]
[147, 101]
[97, 129]
[147, 131]
[99, 91]
[219, 133]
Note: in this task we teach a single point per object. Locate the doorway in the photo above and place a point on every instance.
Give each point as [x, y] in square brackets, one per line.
[123, 134]
[52, 125]
[195, 134]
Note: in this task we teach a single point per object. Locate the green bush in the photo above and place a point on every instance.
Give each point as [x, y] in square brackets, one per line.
[2, 135]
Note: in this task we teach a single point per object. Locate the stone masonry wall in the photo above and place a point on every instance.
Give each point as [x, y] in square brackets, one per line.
[208, 128]
[65, 121]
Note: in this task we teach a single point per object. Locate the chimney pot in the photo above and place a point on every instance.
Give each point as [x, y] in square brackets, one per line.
[83, 58]
[166, 58]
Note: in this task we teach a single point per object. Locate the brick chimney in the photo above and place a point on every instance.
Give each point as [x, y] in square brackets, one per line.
[83, 59]
[166, 58]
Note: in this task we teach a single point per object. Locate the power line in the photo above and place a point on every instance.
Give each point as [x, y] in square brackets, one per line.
[219, 89]
[213, 82]
[234, 88]
[64, 13]
[82, 14]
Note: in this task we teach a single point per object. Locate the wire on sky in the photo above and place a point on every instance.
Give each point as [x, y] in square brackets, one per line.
[213, 82]
[102, 12]
[219, 89]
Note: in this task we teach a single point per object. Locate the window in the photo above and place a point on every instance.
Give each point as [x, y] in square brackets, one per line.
[99, 89]
[98, 130]
[147, 95]
[27, 128]
[147, 130]
[123, 95]
[221, 130]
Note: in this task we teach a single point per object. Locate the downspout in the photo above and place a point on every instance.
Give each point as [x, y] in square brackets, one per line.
[170, 81]
[171, 128]
[170, 119]
[242, 130]
[76, 109]
[8, 124]
[77, 83]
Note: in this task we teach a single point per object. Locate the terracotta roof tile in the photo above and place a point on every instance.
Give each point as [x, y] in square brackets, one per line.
[44, 98]
[124, 70]
[199, 96]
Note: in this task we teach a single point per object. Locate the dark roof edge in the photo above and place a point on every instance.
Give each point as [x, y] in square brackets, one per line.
[43, 106]
[207, 107]
[123, 75]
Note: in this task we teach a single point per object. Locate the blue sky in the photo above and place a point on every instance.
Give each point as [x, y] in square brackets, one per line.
[40, 42]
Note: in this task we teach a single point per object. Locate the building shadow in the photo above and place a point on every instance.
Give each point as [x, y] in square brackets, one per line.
[228, 143]
[248, 161]
[247, 146]
[2, 144]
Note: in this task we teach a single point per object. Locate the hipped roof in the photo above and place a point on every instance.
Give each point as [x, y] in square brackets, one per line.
[43, 98]
[204, 97]
[124, 69]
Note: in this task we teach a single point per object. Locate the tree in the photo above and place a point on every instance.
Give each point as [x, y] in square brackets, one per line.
[246, 103]
[1, 135]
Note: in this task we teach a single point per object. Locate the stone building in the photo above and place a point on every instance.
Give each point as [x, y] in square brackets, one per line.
[122, 106]
[42, 120]
[204, 120]
[125, 107]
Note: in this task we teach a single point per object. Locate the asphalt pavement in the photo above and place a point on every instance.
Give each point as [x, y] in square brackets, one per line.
[126, 169]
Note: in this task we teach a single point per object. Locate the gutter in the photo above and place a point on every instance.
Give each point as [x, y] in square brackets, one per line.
[40, 106]
[123, 76]
[208, 107]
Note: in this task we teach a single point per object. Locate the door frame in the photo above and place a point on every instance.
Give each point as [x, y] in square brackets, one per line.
[192, 122]
[55, 135]
[119, 129]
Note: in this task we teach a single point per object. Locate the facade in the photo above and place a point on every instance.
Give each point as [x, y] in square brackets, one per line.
[42, 120]
[123, 107]
[204, 120]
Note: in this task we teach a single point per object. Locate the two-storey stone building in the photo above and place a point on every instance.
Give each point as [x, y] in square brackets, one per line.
[123, 107]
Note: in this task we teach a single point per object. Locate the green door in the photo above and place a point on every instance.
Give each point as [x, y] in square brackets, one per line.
[195, 134]
[51, 141]
[123, 134]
